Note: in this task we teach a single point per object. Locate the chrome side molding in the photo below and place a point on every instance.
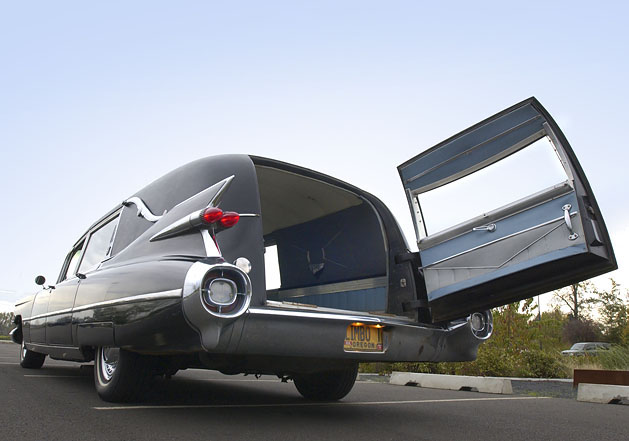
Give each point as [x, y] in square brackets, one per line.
[162, 295]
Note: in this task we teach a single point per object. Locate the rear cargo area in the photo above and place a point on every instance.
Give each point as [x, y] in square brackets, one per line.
[324, 245]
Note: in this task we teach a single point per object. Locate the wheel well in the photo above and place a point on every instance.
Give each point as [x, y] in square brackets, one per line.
[17, 335]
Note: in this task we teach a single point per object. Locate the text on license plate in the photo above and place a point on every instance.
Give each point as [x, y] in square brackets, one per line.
[363, 338]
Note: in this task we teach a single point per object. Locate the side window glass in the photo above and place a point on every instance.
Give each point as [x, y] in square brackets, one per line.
[99, 246]
[272, 268]
[74, 260]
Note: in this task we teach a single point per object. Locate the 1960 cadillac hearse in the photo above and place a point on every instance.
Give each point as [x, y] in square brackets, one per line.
[175, 277]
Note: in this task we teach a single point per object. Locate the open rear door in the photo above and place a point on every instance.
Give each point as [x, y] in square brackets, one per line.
[544, 240]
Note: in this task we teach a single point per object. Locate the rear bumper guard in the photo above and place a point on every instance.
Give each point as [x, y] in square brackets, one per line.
[298, 333]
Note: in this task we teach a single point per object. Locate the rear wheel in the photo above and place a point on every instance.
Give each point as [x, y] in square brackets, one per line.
[327, 386]
[30, 359]
[120, 375]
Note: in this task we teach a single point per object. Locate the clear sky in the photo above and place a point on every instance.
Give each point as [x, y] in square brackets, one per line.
[99, 99]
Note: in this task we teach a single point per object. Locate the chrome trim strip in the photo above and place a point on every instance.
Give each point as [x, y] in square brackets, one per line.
[211, 248]
[509, 210]
[314, 315]
[517, 233]
[181, 225]
[163, 295]
[143, 210]
[353, 285]
[43, 345]
[305, 306]
[24, 300]
[503, 263]
[347, 318]
[565, 162]
[48, 314]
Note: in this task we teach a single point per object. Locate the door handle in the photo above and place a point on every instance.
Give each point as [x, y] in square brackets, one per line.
[490, 228]
[566, 217]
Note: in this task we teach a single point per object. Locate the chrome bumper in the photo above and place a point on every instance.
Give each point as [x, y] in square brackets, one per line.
[299, 333]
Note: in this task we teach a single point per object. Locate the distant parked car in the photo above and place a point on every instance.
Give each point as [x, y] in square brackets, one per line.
[586, 348]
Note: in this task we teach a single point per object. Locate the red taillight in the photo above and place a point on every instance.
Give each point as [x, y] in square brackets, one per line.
[211, 215]
[225, 219]
[229, 219]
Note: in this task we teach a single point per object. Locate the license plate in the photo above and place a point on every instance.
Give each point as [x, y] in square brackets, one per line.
[363, 338]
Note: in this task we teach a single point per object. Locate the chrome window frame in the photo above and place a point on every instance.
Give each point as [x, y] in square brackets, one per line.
[83, 242]
[113, 217]
[63, 275]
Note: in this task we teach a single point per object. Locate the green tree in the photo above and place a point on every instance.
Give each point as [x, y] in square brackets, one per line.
[614, 312]
[579, 298]
[550, 329]
[6, 323]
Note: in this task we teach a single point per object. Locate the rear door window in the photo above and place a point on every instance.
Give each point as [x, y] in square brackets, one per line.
[99, 246]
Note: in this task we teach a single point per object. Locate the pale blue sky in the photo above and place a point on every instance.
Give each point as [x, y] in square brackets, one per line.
[98, 100]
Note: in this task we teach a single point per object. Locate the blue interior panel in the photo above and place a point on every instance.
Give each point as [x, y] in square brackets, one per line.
[463, 152]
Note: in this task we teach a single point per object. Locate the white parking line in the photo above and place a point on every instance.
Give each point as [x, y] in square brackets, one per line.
[52, 376]
[6, 362]
[338, 403]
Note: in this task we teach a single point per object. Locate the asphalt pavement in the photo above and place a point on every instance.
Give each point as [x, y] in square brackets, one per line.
[59, 402]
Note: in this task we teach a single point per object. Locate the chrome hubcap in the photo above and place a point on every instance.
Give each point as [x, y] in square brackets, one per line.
[108, 362]
[23, 352]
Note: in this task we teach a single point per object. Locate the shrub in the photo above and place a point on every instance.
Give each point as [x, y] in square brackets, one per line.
[375, 368]
[541, 364]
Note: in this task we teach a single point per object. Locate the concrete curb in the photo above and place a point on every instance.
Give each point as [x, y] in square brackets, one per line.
[491, 385]
[603, 393]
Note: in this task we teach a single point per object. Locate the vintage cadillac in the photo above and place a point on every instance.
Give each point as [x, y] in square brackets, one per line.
[175, 276]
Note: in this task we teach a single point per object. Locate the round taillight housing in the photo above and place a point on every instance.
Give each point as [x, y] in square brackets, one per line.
[225, 291]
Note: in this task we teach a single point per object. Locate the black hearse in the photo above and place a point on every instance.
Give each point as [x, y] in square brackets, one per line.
[174, 277]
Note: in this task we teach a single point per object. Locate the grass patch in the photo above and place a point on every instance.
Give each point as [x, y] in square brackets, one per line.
[5, 337]
[614, 359]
